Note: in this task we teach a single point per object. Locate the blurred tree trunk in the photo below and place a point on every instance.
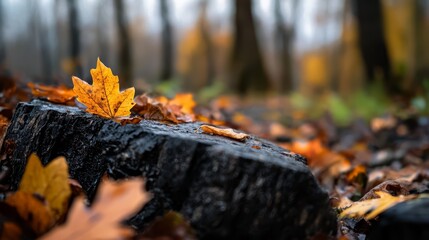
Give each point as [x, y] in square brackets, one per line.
[422, 39]
[372, 42]
[283, 40]
[167, 42]
[350, 68]
[74, 34]
[2, 41]
[125, 65]
[41, 35]
[207, 42]
[57, 41]
[102, 38]
[247, 69]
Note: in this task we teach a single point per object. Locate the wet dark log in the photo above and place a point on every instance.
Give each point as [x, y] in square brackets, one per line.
[407, 220]
[226, 188]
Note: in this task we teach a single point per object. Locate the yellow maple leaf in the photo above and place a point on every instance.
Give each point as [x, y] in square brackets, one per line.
[103, 97]
[50, 182]
[371, 208]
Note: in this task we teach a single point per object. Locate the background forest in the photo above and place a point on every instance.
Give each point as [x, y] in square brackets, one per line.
[344, 49]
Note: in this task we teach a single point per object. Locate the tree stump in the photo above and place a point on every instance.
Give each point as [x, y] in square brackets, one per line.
[225, 188]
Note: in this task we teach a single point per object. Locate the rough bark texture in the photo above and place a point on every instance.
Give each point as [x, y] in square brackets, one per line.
[226, 188]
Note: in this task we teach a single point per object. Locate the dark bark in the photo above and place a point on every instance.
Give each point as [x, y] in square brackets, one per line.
[283, 40]
[247, 68]
[371, 39]
[167, 42]
[74, 35]
[125, 64]
[227, 189]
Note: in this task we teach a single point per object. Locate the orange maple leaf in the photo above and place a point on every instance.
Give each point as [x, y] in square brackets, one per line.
[103, 97]
[59, 94]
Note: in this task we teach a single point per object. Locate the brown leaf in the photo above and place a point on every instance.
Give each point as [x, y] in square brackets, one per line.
[177, 110]
[114, 202]
[60, 94]
[50, 182]
[152, 109]
[226, 132]
[103, 97]
[32, 210]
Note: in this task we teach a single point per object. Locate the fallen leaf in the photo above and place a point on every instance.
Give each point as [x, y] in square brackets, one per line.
[153, 109]
[371, 208]
[170, 226]
[226, 132]
[357, 172]
[36, 213]
[182, 106]
[4, 122]
[60, 94]
[114, 202]
[320, 159]
[185, 101]
[103, 97]
[50, 182]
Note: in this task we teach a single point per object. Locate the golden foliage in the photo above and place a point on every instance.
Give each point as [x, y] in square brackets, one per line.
[103, 97]
[50, 182]
[185, 101]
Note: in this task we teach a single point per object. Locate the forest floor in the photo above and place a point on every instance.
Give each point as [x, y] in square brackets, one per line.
[366, 165]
